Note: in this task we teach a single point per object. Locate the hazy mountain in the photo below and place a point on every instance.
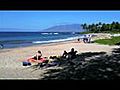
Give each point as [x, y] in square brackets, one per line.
[65, 28]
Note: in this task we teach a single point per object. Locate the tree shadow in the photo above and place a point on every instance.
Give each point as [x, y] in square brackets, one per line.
[116, 51]
[88, 66]
[33, 67]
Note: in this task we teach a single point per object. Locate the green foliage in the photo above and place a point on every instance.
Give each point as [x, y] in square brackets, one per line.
[99, 27]
[112, 41]
[85, 32]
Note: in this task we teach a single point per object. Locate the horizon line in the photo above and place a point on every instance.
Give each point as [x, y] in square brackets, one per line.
[60, 10]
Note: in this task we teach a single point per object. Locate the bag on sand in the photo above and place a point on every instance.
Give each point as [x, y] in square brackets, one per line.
[26, 63]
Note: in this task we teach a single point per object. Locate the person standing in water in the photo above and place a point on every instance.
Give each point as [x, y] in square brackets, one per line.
[1, 46]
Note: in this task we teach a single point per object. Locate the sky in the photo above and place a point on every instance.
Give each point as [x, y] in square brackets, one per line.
[39, 20]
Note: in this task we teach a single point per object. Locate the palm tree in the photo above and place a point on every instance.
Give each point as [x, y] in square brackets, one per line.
[84, 26]
[117, 25]
[99, 23]
[102, 27]
[113, 24]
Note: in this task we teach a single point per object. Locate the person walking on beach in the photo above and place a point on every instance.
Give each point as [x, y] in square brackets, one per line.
[89, 38]
[85, 39]
[78, 39]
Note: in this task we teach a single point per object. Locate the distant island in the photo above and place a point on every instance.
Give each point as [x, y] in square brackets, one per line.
[65, 28]
[56, 28]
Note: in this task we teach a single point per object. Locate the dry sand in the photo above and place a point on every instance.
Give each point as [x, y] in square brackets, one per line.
[11, 59]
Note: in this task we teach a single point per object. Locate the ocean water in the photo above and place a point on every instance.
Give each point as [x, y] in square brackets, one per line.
[22, 39]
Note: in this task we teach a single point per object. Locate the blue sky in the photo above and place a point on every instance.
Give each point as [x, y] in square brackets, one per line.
[38, 20]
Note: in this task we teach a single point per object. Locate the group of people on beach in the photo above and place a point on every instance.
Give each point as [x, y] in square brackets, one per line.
[41, 61]
[86, 39]
[37, 58]
[52, 61]
[69, 55]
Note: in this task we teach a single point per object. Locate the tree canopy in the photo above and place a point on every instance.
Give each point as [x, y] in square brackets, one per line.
[102, 27]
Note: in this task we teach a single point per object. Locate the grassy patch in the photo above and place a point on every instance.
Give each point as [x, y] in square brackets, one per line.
[112, 41]
[111, 32]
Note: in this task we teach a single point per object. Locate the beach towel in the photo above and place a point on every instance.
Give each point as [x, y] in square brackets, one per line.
[34, 60]
[42, 59]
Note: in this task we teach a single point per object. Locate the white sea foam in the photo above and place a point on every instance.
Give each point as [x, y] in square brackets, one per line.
[56, 33]
[44, 33]
[49, 33]
[58, 40]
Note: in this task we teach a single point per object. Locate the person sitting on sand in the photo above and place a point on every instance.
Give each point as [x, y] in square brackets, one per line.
[53, 61]
[69, 55]
[36, 58]
[65, 54]
[72, 54]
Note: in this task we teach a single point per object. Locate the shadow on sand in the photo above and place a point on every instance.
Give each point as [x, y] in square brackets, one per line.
[88, 66]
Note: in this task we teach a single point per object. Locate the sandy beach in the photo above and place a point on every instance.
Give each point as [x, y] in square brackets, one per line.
[11, 59]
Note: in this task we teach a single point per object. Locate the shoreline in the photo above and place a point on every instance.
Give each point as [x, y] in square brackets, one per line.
[13, 42]
[42, 45]
[98, 36]
[11, 59]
